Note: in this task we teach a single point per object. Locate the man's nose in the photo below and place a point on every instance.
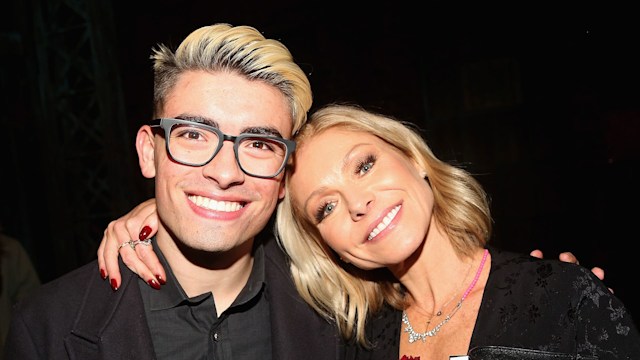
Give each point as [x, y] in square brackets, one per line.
[224, 167]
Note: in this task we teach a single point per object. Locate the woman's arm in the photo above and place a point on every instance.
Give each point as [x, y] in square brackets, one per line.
[141, 223]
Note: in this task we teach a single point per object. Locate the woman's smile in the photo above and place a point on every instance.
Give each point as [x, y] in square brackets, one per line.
[384, 223]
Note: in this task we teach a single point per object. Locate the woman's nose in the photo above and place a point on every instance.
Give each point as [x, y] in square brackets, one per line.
[360, 203]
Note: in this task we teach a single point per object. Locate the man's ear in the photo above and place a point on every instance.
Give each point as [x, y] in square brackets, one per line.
[146, 145]
[282, 190]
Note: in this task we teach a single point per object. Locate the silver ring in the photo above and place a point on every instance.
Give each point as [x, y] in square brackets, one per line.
[133, 243]
[143, 242]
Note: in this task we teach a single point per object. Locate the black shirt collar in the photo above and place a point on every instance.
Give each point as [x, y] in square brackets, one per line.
[172, 294]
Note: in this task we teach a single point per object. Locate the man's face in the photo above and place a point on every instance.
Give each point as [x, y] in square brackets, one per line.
[215, 207]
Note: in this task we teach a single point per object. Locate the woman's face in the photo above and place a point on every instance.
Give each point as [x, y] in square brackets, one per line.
[369, 201]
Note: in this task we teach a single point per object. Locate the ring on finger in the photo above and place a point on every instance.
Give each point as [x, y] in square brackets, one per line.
[143, 242]
[131, 243]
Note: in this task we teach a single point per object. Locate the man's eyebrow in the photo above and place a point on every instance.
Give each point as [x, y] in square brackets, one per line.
[198, 119]
[262, 130]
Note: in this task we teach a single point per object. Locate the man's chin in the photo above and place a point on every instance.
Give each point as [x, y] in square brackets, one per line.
[210, 253]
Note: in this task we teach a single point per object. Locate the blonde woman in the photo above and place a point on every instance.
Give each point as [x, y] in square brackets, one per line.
[392, 244]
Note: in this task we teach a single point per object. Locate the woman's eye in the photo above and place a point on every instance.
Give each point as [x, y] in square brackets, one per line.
[366, 165]
[324, 210]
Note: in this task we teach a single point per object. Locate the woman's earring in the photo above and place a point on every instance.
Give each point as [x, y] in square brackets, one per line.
[424, 176]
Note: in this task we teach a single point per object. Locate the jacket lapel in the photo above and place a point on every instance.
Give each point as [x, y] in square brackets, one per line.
[111, 324]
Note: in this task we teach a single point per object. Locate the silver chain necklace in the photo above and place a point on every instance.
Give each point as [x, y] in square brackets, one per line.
[414, 335]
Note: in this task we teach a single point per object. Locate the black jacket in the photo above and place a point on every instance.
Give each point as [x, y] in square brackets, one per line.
[79, 316]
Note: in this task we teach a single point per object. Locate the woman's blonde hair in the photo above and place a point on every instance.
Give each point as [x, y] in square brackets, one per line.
[241, 49]
[341, 292]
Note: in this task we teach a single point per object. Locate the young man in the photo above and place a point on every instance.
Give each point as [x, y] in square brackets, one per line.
[226, 101]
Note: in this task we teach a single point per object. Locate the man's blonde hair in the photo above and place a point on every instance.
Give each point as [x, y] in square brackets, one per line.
[240, 49]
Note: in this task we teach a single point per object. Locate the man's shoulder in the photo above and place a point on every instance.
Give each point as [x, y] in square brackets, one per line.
[77, 278]
[66, 291]
[78, 313]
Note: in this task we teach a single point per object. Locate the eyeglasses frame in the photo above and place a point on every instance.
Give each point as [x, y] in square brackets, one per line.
[166, 124]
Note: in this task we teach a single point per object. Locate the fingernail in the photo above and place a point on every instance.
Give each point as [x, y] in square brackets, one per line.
[114, 284]
[103, 274]
[154, 284]
[160, 279]
[144, 233]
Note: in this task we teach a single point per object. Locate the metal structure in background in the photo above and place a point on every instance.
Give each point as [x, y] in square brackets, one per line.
[80, 174]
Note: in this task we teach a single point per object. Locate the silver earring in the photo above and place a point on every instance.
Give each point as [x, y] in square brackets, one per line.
[426, 178]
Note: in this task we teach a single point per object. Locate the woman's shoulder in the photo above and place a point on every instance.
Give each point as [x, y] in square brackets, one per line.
[544, 301]
[508, 265]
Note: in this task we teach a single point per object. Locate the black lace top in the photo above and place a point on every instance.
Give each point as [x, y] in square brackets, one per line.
[549, 306]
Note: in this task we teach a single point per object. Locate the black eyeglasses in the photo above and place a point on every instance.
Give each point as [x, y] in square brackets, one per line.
[196, 144]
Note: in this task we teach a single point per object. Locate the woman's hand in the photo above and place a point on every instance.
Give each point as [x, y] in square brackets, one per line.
[568, 256]
[141, 223]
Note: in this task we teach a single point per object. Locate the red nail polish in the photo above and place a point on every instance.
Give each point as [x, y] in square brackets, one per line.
[154, 284]
[144, 233]
[114, 284]
[160, 280]
[103, 274]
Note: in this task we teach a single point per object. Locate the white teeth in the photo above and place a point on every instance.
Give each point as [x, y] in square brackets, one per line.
[210, 204]
[385, 222]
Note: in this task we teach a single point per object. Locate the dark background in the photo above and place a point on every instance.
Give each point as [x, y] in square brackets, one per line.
[541, 103]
